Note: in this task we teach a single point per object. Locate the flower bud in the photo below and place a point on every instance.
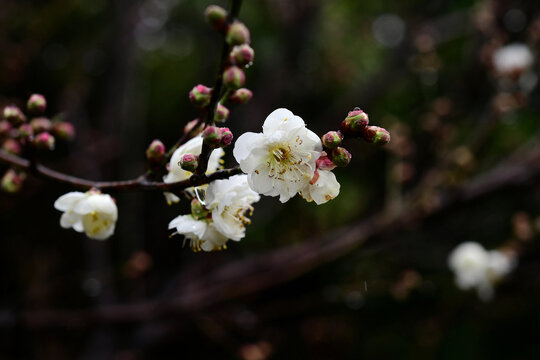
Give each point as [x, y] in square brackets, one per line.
[222, 113]
[41, 124]
[226, 137]
[25, 132]
[36, 104]
[155, 152]
[376, 135]
[340, 157]
[64, 130]
[241, 96]
[242, 55]
[332, 139]
[190, 127]
[216, 16]
[198, 210]
[12, 146]
[234, 77]
[324, 163]
[14, 115]
[212, 136]
[12, 181]
[355, 122]
[238, 34]
[189, 162]
[5, 128]
[44, 141]
[200, 96]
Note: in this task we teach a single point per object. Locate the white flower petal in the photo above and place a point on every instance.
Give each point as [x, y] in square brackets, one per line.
[282, 120]
[67, 201]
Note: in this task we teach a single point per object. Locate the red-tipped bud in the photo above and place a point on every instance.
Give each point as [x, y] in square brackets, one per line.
[14, 115]
[242, 55]
[41, 124]
[198, 210]
[44, 141]
[212, 136]
[12, 181]
[332, 139]
[222, 114]
[216, 16]
[189, 162]
[355, 122]
[234, 77]
[200, 96]
[226, 137]
[315, 177]
[155, 152]
[241, 96]
[238, 34]
[324, 163]
[5, 128]
[64, 130]
[340, 157]
[12, 146]
[376, 135]
[25, 132]
[190, 127]
[36, 104]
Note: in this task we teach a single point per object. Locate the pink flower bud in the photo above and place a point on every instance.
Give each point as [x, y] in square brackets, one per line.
[25, 132]
[241, 96]
[216, 16]
[64, 130]
[189, 162]
[354, 123]
[190, 127]
[44, 141]
[212, 136]
[12, 146]
[198, 210]
[36, 104]
[226, 137]
[238, 34]
[14, 115]
[340, 156]
[222, 113]
[5, 128]
[12, 181]
[41, 124]
[234, 77]
[200, 96]
[332, 139]
[155, 152]
[324, 163]
[242, 55]
[376, 135]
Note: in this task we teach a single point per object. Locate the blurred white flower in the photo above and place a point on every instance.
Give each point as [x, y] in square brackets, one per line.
[513, 58]
[475, 267]
[91, 212]
[202, 234]
[281, 159]
[322, 188]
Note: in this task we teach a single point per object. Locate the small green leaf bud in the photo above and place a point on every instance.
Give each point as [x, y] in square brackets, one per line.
[226, 137]
[44, 141]
[242, 55]
[355, 122]
[340, 156]
[198, 210]
[12, 146]
[212, 136]
[41, 124]
[14, 115]
[238, 34]
[222, 113]
[234, 77]
[332, 139]
[216, 16]
[155, 152]
[64, 130]
[200, 96]
[376, 135]
[36, 104]
[241, 96]
[12, 181]
[189, 162]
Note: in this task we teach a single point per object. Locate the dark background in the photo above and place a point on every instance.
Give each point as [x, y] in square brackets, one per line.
[364, 275]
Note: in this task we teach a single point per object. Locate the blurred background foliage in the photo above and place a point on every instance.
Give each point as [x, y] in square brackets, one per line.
[121, 71]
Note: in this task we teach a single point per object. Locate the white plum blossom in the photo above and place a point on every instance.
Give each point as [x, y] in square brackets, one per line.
[280, 160]
[475, 267]
[92, 213]
[202, 234]
[512, 58]
[322, 188]
[176, 173]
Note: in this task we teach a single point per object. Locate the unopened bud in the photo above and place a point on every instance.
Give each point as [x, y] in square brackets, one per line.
[216, 16]
[155, 152]
[238, 34]
[190, 127]
[355, 122]
[12, 181]
[41, 124]
[44, 141]
[241, 96]
[324, 163]
[189, 162]
[200, 96]
[340, 157]
[198, 210]
[12, 146]
[5, 128]
[64, 130]
[212, 136]
[222, 113]
[226, 137]
[332, 139]
[36, 104]
[25, 132]
[234, 77]
[242, 55]
[376, 135]
[14, 115]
